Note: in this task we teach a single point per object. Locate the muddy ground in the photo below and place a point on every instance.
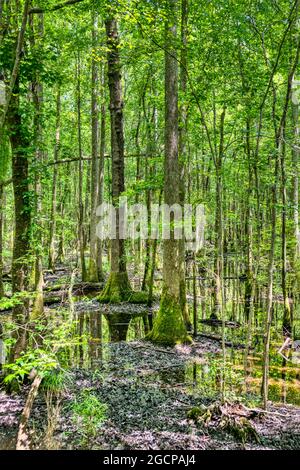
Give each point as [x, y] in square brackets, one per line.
[148, 397]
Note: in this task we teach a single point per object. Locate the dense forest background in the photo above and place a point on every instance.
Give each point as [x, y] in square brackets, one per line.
[188, 102]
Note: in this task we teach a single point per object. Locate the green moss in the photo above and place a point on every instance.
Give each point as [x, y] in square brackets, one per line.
[117, 289]
[138, 298]
[93, 271]
[169, 327]
[196, 412]
[38, 306]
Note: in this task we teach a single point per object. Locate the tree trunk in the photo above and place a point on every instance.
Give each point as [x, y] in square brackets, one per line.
[93, 271]
[169, 326]
[101, 177]
[183, 123]
[37, 91]
[80, 177]
[295, 155]
[22, 209]
[51, 256]
[118, 287]
[287, 318]
[218, 278]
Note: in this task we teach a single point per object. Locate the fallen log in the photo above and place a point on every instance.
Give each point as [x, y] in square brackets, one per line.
[219, 323]
[80, 288]
[59, 294]
[219, 339]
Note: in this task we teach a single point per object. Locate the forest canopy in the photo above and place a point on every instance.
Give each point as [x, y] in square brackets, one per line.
[187, 110]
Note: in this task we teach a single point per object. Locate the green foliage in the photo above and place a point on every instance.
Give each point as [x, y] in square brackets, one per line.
[37, 359]
[55, 381]
[88, 413]
[17, 299]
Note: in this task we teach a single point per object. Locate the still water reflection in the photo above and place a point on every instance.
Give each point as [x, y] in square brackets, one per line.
[243, 372]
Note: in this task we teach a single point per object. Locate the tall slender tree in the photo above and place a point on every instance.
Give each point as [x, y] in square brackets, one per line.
[169, 326]
[118, 287]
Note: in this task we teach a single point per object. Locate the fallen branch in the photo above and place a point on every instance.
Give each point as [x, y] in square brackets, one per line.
[220, 340]
[23, 440]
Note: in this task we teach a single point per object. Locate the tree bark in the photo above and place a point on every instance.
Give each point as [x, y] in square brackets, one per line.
[51, 255]
[183, 127]
[22, 212]
[101, 175]
[80, 177]
[37, 92]
[93, 271]
[169, 326]
[118, 287]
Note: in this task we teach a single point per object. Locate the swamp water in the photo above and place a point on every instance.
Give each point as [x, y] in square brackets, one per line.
[201, 370]
[147, 387]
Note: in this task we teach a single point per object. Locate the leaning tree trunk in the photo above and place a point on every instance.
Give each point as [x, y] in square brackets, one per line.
[118, 287]
[169, 326]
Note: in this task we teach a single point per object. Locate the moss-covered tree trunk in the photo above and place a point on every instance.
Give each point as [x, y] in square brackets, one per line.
[183, 127]
[22, 211]
[81, 235]
[169, 326]
[118, 287]
[93, 271]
